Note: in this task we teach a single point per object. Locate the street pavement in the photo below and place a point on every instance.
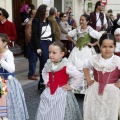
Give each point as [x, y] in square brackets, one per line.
[32, 95]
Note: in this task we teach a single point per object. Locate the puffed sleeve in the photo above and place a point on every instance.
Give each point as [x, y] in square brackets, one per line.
[45, 75]
[76, 75]
[7, 62]
[72, 33]
[87, 64]
[118, 22]
[95, 34]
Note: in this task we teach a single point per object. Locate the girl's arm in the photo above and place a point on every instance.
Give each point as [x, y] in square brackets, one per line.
[87, 75]
[7, 62]
[93, 44]
[69, 38]
[45, 76]
[75, 75]
[95, 34]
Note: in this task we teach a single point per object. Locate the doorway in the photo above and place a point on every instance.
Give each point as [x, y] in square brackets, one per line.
[58, 5]
[17, 20]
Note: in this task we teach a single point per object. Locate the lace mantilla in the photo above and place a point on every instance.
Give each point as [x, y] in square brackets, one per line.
[60, 65]
[101, 65]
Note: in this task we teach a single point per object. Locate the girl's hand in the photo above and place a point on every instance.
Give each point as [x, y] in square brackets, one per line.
[90, 82]
[90, 44]
[75, 43]
[39, 51]
[67, 87]
[117, 84]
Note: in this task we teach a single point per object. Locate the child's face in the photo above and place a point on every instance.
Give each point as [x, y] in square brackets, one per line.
[117, 37]
[55, 53]
[107, 48]
[83, 21]
[2, 44]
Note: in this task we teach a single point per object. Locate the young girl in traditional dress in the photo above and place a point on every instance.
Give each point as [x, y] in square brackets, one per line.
[102, 99]
[12, 102]
[83, 49]
[117, 38]
[57, 102]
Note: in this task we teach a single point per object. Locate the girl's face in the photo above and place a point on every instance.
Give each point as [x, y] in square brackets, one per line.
[117, 37]
[55, 53]
[83, 22]
[47, 12]
[107, 48]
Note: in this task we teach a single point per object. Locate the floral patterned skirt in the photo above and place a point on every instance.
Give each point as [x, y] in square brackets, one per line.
[16, 105]
[72, 111]
[102, 107]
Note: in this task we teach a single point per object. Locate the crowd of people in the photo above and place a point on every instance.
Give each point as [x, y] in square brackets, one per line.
[73, 58]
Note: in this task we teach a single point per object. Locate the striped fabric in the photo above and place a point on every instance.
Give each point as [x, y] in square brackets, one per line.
[3, 106]
[52, 107]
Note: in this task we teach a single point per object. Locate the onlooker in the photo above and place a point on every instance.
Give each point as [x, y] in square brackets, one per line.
[110, 20]
[98, 19]
[41, 37]
[57, 17]
[32, 56]
[116, 22]
[117, 38]
[72, 21]
[6, 26]
[65, 27]
[24, 10]
[55, 26]
[31, 7]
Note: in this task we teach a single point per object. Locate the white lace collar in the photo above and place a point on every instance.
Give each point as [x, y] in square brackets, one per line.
[105, 65]
[50, 68]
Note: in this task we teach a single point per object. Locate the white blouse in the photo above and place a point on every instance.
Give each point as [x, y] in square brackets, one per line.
[101, 64]
[7, 61]
[71, 71]
[93, 33]
[117, 49]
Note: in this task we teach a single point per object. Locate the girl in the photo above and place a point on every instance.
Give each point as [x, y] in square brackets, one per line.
[117, 38]
[12, 103]
[83, 49]
[102, 99]
[57, 100]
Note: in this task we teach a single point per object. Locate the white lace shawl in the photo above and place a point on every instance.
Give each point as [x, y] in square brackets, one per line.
[105, 65]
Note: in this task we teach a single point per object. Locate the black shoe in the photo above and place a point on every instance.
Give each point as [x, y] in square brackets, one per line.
[41, 86]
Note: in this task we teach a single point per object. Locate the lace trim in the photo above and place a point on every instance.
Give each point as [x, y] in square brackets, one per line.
[100, 65]
[63, 63]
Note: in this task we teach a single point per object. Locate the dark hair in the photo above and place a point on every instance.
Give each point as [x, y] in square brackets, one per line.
[30, 13]
[41, 11]
[107, 36]
[118, 15]
[98, 3]
[32, 7]
[4, 12]
[61, 46]
[110, 11]
[4, 37]
[61, 15]
[87, 17]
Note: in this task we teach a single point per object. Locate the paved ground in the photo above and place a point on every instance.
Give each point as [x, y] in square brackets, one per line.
[32, 95]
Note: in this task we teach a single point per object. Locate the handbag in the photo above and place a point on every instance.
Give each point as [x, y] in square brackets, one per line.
[15, 49]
